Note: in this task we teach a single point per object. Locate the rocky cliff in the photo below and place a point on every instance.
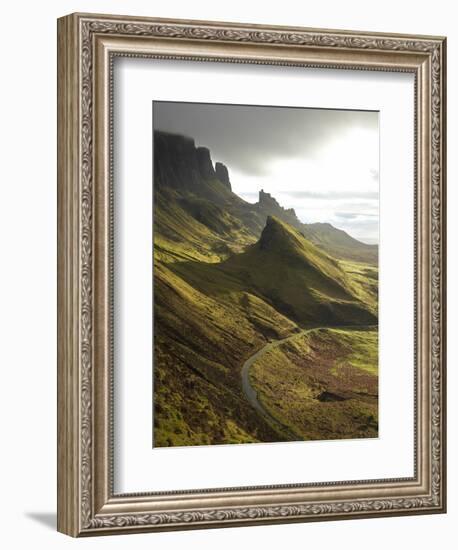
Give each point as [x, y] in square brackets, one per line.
[270, 207]
[222, 174]
[179, 164]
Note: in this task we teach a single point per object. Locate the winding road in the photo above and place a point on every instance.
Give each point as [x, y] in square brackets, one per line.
[252, 395]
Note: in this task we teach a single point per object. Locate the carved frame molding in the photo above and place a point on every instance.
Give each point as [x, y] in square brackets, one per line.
[87, 45]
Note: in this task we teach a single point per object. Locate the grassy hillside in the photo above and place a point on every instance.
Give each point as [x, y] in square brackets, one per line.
[322, 384]
[300, 280]
[211, 315]
[200, 342]
[201, 339]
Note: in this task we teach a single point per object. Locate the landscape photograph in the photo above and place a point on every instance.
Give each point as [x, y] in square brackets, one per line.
[265, 274]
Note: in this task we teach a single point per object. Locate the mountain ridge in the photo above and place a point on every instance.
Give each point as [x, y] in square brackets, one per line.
[187, 169]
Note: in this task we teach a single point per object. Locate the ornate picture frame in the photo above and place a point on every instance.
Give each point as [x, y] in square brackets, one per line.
[87, 46]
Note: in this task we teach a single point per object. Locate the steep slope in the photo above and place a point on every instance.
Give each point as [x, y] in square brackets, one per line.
[300, 280]
[195, 210]
[200, 340]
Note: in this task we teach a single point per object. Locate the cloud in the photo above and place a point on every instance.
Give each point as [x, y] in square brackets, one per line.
[347, 215]
[248, 138]
[250, 195]
[363, 229]
[324, 163]
[355, 215]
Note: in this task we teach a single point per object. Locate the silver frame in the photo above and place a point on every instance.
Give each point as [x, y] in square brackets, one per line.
[87, 45]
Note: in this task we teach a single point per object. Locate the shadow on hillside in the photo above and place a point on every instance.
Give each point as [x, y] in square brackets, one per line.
[223, 281]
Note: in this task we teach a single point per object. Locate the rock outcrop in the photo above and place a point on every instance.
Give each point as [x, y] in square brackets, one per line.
[175, 162]
[205, 163]
[182, 165]
[222, 174]
[270, 207]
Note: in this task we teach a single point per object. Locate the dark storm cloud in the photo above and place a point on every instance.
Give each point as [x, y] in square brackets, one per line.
[247, 138]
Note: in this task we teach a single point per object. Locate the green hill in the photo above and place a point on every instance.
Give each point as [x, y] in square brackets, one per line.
[299, 279]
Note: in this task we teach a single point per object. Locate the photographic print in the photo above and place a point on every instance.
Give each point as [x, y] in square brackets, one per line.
[265, 279]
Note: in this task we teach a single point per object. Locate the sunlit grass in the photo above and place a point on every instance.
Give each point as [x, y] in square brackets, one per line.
[323, 384]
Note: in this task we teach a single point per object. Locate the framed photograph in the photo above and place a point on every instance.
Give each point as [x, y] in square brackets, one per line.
[251, 289]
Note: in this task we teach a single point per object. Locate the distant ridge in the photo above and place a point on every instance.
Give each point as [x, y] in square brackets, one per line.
[335, 241]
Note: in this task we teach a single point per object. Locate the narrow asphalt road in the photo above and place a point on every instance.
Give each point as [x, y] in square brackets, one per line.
[252, 395]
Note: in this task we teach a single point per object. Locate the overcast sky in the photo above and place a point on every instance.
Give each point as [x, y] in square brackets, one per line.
[323, 163]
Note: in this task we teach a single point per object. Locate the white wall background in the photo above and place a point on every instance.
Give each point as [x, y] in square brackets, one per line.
[28, 272]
